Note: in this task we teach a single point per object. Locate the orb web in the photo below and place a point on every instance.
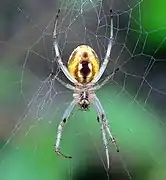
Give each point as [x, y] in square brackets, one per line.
[33, 101]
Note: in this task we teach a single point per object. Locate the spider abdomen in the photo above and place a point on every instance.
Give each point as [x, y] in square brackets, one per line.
[83, 64]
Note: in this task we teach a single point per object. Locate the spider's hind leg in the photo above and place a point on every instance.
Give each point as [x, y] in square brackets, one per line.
[107, 127]
[61, 127]
[104, 138]
[104, 124]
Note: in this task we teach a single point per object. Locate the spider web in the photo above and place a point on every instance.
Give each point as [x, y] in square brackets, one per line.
[32, 102]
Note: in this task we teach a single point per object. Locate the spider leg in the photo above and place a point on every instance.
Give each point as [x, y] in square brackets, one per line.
[61, 127]
[58, 57]
[107, 56]
[68, 86]
[104, 124]
[105, 80]
[104, 138]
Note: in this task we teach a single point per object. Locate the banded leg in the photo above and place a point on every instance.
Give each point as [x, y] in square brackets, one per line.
[61, 127]
[58, 57]
[108, 52]
[104, 138]
[105, 122]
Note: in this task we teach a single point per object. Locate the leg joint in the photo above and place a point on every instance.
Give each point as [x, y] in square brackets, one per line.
[64, 120]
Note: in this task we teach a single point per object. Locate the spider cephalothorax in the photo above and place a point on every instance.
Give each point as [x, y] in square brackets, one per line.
[84, 72]
[84, 100]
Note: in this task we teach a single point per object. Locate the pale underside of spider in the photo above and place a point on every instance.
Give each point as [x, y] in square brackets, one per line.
[84, 72]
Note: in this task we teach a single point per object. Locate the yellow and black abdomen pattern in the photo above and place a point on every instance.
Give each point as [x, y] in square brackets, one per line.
[83, 64]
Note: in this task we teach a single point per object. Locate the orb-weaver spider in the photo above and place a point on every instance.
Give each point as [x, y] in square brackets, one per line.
[84, 72]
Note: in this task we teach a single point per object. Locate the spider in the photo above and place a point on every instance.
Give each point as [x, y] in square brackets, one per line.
[84, 72]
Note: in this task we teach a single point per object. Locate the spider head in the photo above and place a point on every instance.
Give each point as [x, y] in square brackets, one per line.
[84, 104]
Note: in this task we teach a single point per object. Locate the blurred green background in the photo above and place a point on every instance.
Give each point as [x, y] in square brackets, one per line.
[31, 107]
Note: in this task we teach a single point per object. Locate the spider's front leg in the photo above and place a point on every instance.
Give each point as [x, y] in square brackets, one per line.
[61, 127]
[108, 52]
[57, 53]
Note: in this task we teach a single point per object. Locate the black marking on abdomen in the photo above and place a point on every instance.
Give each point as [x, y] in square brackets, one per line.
[85, 69]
